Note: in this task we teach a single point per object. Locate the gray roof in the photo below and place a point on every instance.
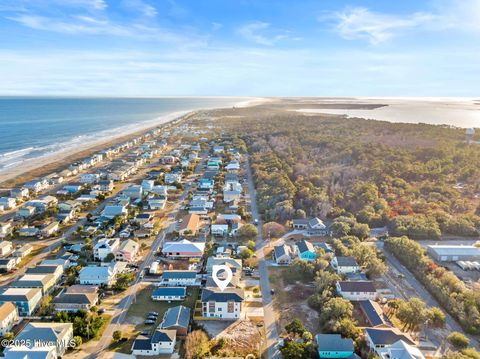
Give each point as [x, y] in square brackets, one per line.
[183, 274]
[44, 331]
[386, 336]
[445, 250]
[300, 221]
[164, 335]
[217, 295]
[333, 342]
[357, 286]
[347, 262]
[178, 316]
[142, 343]
[76, 298]
[169, 291]
[316, 221]
[371, 311]
[305, 246]
[281, 250]
[43, 269]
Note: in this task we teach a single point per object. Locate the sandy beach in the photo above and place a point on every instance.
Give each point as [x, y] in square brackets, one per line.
[56, 161]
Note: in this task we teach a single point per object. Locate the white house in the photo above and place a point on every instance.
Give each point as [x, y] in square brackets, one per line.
[400, 350]
[98, 275]
[379, 339]
[89, 178]
[171, 178]
[58, 336]
[5, 248]
[133, 192]
[357, 290]
[162, 342]
[179, 278]
[113, 211]
[282, 254]
[127, 252]
[183, 249]
[8, 317]
[224, 305]
[219, 230]
[147, 185]
[28, 231]
[345, 265]
[51, 229]
[156, 204]
[104, 247]
[5, 229]
[8, 264]
[169, 293]
[26, 211]
[8, 202]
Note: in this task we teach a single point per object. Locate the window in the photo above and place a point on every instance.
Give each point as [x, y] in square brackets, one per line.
[211, 307]
[230, 306]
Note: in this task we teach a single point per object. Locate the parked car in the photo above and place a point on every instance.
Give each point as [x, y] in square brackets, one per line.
[272, 291]
[149, 322]
[153, 313]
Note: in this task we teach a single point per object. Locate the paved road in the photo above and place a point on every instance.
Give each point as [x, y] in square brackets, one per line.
[121, 309]
[271, 331]
[421, 292]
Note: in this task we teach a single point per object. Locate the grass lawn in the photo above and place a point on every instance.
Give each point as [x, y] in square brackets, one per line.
[143, 304]
[107, 318]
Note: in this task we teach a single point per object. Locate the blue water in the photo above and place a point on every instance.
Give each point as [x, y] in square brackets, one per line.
[35, 126]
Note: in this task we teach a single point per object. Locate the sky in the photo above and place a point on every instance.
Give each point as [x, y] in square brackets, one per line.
[240, 48]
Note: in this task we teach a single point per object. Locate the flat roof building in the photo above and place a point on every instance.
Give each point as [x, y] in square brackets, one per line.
[453, 253]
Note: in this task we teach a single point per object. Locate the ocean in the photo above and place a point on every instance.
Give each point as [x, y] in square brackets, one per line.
[32, 127]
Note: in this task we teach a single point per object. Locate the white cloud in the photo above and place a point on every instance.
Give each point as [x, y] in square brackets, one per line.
[361, 23]
[255, 32]
[141, 7]
[376, 27]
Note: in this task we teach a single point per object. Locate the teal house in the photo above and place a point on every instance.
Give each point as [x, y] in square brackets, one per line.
[306, 251]
[334, 346]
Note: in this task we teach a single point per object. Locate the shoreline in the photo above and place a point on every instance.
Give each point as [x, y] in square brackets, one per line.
[55, 161]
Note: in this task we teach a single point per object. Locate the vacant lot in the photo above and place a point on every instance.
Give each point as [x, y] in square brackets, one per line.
[290, 301]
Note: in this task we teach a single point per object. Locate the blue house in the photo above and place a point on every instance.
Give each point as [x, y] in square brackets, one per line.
[26, 299]
[306, 251]
[334, 346]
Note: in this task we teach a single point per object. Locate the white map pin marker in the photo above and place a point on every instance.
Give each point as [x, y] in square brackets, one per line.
[222, 283]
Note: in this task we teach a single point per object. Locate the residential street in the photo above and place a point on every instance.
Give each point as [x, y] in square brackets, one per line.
[121, 309]
[422, 293]
[271, 331]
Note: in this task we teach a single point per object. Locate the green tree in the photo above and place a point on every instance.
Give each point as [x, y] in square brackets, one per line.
[246, 253]
[458, 340]
[247, 231]
[117, 335]
[78, 341]
[295, 327]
